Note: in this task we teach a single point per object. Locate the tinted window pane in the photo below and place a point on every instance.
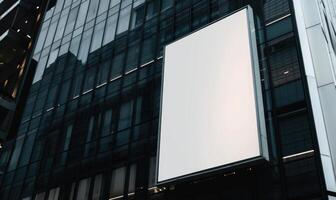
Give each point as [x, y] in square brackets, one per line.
[71, 20]
[93, 8]
[83, 189]
[85, 45]
[103, 6]
[295, 135]
[27, 149]
[124, 18]
[103, 72]
[117, 65]
[125, 116]
[16, 153]
[97, 36]
[118, 182]
[82, 14]
[110, 29]
[132, 58]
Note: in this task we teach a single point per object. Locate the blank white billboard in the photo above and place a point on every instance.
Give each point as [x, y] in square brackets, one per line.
[211, 108]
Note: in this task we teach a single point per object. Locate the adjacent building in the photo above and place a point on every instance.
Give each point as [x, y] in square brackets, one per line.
[19, 23]
[92, 119]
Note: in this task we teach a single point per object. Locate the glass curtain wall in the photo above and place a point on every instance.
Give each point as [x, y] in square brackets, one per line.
[89, 128]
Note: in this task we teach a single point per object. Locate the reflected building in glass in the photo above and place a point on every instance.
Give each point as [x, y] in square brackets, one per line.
[19, 25]
[90, 124]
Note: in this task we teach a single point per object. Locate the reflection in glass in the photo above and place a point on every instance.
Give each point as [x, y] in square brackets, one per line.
[93, 8]
[97, 36]
[82, 13]
[124, 19]
[103, 6]
[71, 20]
[110, 29]
[85, 45]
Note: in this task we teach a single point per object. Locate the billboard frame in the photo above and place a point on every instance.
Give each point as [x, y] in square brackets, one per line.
[262, 136]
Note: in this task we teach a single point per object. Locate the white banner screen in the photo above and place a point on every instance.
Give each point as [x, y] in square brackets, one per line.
[211, 109]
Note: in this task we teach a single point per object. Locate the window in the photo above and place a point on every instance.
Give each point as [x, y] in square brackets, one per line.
[40, 69]
[295, 135]
[302, 179]
[61, 25]
[148, 49]
[152, 169]
[52, 57]
[288, 94]
[118, 182]
[152, 9]
[40, 196]
[77, 83]
[92, 10]
[107, 123]
[143, 109]
[125, 3]
[5, 156]
[90, 146]
[106, 142]
[49, 13]
[132, 57]
[74, 46]
[279, 28]
[182, 25]
[117, 66]
[72, 192]
[110, 29]
[29, 107]
[167, 4]
[82, 13]
[83, 189]
[51, 143]
[90, 129]
[63, 148]
[284, 63]
[275, 8]
[67, 3]
[85, 45]
[59, 6]
[97, 36]
[97, 188]
[27, 149]
[114, 3]
[51, 96]
[67, 137]
[89, 80]
[38, 149]
[42, 36]
[63, 96]
[200, 14]
[138, 13]
[124, 19]
[71, 20]
[125, 115]
[103, 6]
[54, 194]
[51, 32]
[16, 154]
[132, 179]
[40, 100]
[103, 71]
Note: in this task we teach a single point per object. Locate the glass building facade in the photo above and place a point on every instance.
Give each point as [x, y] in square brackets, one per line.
[90, 124]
